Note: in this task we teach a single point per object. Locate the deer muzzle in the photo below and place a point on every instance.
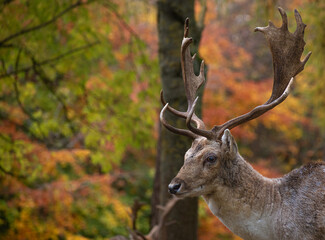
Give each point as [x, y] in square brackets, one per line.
[175, 186]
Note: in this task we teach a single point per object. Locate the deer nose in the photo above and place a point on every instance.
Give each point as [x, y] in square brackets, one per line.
[173, 188]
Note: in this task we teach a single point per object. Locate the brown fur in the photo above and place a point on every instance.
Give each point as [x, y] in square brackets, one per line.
[252, 206]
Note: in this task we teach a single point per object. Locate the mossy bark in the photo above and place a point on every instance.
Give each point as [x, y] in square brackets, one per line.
[171, 147]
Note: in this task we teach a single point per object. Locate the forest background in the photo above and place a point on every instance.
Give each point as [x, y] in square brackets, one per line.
[79, 104]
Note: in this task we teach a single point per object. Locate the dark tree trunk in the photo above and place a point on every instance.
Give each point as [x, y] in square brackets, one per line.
[171, 147]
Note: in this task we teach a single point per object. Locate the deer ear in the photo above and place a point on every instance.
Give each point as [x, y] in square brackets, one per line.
[229, 145]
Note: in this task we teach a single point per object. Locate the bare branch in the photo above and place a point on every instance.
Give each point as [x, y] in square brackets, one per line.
[158, 229]
[137, 205]
[42, 25]
[46, 81]
[50, 60]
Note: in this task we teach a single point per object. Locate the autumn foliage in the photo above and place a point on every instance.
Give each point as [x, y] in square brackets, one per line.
[79, 102]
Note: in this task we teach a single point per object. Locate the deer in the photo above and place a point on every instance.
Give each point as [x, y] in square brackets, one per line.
[252, 206]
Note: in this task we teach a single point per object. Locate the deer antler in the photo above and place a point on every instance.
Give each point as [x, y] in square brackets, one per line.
[191, 82]
[286, 49]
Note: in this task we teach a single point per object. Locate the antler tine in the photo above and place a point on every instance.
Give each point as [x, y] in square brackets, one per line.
[284, 19]
[198, 131]
[191, 83]
[199, 123]
[300, 25]
[183, 132]
[187, 21]
[286, 49]
[171, 109]
[217, 131]
[256, 112]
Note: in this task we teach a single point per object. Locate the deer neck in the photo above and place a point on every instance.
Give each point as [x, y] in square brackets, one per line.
[245, 202]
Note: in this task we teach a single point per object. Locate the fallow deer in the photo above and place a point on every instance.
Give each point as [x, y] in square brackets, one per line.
[250, 205]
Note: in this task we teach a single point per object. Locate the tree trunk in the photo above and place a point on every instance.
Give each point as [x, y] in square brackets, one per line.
[171, 147]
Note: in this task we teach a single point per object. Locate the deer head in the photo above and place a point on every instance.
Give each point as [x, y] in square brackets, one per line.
[212, 156]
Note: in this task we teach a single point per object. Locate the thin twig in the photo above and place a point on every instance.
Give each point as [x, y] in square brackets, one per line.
[52, 20]
[40, 72]
[7, 172]
[17, 94]
[50, 60]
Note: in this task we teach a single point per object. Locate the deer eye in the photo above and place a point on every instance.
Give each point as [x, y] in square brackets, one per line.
[211, 159]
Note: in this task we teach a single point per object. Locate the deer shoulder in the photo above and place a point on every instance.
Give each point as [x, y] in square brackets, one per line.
[303, 199]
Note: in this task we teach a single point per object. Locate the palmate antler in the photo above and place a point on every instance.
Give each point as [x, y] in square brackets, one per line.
[286, 49]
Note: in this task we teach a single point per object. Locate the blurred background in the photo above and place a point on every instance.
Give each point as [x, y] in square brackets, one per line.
[80, 84]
